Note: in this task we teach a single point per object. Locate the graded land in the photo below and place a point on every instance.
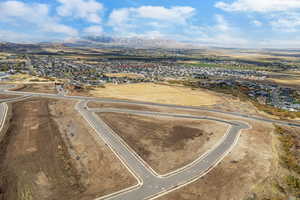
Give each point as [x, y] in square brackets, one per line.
[48, 153]
[166, 144]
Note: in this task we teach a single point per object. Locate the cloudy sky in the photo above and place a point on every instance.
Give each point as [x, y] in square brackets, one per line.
[229, 23]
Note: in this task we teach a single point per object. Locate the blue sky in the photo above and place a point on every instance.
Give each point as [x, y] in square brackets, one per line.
[227, 23]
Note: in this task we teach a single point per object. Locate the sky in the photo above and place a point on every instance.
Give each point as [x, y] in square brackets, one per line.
[225, 23]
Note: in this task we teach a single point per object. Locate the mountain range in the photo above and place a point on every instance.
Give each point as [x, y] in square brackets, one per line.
[130, 42]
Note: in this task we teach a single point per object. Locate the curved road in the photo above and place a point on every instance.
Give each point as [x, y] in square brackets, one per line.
[150, 184]
[153, 184]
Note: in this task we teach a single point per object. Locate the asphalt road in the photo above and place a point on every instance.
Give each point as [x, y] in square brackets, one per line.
[3, 110]
[152, 184]
[195, 108]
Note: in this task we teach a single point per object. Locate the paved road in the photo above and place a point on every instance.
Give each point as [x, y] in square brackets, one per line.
[3, 112]
[194, 108]
[152, 184]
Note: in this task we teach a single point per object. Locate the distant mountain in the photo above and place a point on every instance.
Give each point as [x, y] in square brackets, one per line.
[130, 42]
[101, 39]
[22, 48]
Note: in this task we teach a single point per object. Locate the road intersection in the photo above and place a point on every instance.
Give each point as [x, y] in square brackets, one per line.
[151, 184]
[154, 184]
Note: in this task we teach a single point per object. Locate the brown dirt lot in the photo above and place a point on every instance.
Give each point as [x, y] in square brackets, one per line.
[4, 96]
[102, 172]
[93, 104]
[37, 87]
[36, 162]
[166, 144]
[249, 164]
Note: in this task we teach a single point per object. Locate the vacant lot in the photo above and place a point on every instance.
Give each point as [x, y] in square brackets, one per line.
[101, 171]
[34, 160]
[166, 144]
[178, 95]
[94, 104]
[37, 87]
[37, 159]
[284, 181]
[158, 93]
[4, 96]
[249, 164]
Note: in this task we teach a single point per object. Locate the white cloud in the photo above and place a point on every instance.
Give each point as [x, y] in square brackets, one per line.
[93, 30]
[89, 10]
[174, 23]
[257, 23]
[11, 10]
[221, 34]
[222, 24]
[280, 15]
[178, 14]
[126, 19]
[289, 22]
[59, 28]
[119, 20]
[259, 5]
[35, 16]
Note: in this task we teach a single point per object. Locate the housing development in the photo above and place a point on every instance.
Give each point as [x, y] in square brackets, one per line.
[141, 129]
[144, 100]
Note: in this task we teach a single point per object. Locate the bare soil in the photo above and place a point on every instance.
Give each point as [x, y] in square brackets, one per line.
[37, 87]
[101, 171]
[4, 96]
[94, 104]
[247, 167]
[249, 164]
[166, 144]
[34, 159]
[37, 161]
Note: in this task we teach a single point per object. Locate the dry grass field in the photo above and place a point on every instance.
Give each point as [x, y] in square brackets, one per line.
[37, 87]
[158, 93]
[25, 78]
[287, 81]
